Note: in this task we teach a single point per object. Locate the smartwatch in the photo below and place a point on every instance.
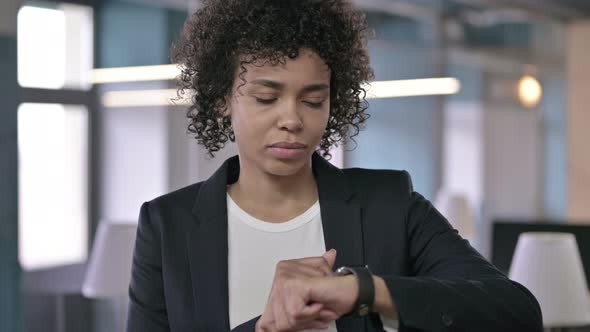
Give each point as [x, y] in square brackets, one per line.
[366, 295]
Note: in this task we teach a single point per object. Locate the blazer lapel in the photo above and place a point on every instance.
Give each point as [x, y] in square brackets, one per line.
[342, 224]
[341, 213]
[208, 249]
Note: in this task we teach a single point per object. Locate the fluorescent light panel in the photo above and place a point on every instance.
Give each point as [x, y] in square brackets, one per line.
[162, 97]
[134, 74]
[415, 87]
[140, 98]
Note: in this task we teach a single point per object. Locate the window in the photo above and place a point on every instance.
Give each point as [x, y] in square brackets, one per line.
[55, 47]
[55, 59]
[53, 167]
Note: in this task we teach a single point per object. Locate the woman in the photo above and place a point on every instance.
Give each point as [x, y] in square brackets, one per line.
[254, 247]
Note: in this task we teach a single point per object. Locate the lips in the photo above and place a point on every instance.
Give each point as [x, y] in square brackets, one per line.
[288, 150]
[288, 145]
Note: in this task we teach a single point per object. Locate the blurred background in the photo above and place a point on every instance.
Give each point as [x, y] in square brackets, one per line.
[484, 102]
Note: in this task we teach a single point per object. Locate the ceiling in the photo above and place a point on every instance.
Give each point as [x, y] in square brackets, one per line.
[561, 10]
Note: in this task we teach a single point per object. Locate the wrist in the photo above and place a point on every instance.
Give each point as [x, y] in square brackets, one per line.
[353, 287]
[364, 297]
[383, 303]
[260, 326]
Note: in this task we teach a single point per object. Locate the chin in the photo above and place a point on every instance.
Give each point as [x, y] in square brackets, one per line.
[282, 167]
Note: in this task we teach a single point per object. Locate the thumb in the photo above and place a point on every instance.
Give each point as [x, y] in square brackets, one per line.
[330, 257]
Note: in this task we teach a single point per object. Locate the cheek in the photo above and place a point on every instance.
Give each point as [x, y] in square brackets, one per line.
[324, 117]
[318, 124]
[239, 116]
[247, 124]
[237, 121]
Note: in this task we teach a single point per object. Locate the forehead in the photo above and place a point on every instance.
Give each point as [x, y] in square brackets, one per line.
[306, 68]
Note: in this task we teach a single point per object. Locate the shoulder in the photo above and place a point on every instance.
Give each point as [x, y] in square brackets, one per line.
[378, 180]
[385, 196]
[180, 199]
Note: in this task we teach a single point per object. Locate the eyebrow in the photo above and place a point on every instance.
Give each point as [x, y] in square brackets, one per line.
[279, 86]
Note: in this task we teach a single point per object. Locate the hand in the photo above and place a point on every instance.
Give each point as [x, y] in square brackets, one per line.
[338, 294]
[288, 307]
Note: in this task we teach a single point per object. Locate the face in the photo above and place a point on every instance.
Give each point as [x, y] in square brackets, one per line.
[279, 115]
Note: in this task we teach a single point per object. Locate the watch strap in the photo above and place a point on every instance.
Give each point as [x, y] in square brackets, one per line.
[366, 294]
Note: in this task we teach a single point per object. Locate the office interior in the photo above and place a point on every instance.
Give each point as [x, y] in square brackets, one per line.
[483, 102]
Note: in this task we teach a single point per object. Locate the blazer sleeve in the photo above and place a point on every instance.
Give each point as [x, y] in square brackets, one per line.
[452, 287]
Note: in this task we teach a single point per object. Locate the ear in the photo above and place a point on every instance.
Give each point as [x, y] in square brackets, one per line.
[227, 112]
[228, 107]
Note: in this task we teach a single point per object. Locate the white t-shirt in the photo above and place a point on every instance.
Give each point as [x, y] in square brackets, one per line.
[256, 246]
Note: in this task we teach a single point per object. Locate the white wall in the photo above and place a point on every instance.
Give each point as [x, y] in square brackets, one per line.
[463, 150]
[133, 160]
[145, 153]
[492, 153]
[189, 161]
[578, 119]
[512, 163]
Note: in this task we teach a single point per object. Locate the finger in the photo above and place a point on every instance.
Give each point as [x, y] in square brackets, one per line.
[309, 266]
[266, 321]
[292, 304]
[330, 257]
[267, 326]
[326, 315]
[316, 262]
[321, 320]
[299, 314]
[312, 310]
[280, 318]
[296, 308]
[315, 325]
[308, 318]
[309, 271]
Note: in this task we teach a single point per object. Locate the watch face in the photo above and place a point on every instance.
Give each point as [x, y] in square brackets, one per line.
[363, 310]
[342, 271]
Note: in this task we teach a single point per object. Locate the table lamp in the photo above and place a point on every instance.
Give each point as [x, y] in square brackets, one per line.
[549, 265]
[109, 267]
[457, 209]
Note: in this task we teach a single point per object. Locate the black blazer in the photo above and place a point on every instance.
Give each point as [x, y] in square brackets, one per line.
[179, 278]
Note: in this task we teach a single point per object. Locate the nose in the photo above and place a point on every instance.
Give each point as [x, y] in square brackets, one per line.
[290, 118]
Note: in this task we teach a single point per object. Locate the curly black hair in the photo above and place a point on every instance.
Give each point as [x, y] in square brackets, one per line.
[224, 35]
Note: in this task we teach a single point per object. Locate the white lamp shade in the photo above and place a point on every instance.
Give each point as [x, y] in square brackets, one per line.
[457, 209]
[109, 266]
[549, 265]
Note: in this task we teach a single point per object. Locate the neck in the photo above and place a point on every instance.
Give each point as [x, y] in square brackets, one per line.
[264, 194]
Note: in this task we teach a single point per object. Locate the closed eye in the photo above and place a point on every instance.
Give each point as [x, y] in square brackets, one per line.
[314, 105]
[265, 101]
